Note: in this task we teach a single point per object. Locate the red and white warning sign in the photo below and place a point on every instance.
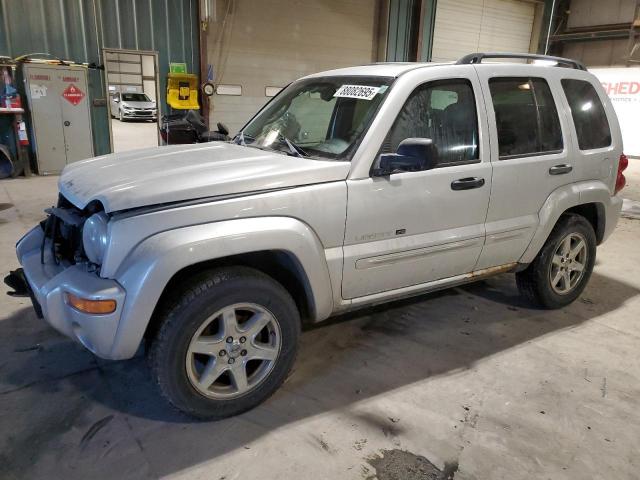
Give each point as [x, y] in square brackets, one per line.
[73, 94]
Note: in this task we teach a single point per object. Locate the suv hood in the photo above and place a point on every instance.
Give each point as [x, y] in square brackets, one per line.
[186, 172]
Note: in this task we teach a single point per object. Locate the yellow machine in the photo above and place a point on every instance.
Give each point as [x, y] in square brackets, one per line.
[182, 91]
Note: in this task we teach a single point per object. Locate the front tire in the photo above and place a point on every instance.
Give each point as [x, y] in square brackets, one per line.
[226, 342]
[562, 269]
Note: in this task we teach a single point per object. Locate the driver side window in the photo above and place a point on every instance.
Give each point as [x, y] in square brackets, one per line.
[445, 112]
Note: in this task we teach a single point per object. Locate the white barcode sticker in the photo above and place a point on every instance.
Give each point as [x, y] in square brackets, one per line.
[363, 92]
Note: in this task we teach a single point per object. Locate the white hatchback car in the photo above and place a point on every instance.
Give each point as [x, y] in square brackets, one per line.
[350, 187]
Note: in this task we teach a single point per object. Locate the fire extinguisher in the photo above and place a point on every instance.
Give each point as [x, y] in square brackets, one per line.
[21, 127]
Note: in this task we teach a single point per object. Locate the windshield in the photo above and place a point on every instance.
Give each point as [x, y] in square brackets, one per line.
[324, 117]
[135, 97]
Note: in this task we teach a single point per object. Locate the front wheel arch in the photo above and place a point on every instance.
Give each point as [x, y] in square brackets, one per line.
[189, 310]
[156, 259]
[281, 266]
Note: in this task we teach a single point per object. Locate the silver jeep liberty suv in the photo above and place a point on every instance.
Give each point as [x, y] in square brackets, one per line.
[351, 187]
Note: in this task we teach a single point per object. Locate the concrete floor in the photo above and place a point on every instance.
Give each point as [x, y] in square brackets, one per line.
[471, 379]
[131, 135]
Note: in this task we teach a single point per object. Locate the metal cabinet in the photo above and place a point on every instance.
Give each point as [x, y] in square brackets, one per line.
[60, 117]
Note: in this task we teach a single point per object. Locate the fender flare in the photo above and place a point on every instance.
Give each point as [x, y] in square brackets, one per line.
[159, 257]
[558, 202]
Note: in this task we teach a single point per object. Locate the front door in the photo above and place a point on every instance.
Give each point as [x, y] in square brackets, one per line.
[409, 228]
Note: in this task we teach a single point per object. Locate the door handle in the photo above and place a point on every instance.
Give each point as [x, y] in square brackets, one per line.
[560, 169]
[467, 183]
[67, 123]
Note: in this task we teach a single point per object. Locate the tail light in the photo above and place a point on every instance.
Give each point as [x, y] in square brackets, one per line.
[622, 166]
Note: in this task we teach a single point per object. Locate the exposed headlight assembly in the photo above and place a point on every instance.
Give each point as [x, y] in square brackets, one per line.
[95, 237]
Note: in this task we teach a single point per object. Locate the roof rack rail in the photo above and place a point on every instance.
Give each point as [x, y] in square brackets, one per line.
[478, 57]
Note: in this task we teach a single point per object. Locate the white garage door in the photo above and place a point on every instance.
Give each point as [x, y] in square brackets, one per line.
[266, 44]
[467, 26]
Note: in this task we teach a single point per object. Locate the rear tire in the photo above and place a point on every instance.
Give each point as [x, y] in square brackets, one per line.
[248, 327]
[562, 269]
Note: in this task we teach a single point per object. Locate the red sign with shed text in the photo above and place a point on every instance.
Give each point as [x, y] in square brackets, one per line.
[622, 86]
[73, 94]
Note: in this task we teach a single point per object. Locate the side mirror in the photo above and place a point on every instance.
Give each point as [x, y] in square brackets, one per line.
[413, 155]
[222, 128]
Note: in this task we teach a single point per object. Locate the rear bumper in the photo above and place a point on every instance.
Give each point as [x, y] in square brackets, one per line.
[49, 283]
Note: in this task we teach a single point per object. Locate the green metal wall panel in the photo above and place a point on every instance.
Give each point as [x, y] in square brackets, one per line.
[78, 30]
[410, 30]
[401, 13]
[427, 26]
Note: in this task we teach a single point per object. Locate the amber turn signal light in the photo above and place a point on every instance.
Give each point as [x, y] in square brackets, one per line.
[85, 305]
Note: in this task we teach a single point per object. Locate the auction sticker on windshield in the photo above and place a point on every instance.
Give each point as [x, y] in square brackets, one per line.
[363, 92]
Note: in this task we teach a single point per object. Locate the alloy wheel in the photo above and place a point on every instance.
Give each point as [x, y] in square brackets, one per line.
[233, 351]
[568, 263]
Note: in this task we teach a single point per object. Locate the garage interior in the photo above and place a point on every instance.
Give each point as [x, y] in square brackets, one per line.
[130, 72]
[467, 383]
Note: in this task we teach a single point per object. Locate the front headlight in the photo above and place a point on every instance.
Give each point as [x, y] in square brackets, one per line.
[95, 236]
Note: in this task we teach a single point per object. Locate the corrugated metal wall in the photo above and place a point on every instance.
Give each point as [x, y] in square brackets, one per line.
[78, 30]
[593, 13]
[271, 50]
[465, 26]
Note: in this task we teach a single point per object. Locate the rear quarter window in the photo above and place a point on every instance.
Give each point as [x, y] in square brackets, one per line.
[587, 111]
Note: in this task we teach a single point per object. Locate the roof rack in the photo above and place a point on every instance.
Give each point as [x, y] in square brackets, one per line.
[478, 57]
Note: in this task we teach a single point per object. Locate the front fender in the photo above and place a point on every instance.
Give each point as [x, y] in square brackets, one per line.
[567, 197]
[149, 267]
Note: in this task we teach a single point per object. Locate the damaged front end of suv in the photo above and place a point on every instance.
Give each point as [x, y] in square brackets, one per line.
[68, 246]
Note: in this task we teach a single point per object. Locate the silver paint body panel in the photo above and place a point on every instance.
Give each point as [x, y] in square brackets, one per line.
[358, 240]
[185, 172]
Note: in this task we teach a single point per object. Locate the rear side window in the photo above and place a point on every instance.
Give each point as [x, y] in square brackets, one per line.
[588, 114]
[526, 117]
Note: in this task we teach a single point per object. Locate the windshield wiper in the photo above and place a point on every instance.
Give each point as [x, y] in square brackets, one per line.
[239, 139]
[294, 149]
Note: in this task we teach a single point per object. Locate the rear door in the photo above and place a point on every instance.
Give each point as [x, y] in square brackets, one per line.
[414, 227]
[530, 154]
